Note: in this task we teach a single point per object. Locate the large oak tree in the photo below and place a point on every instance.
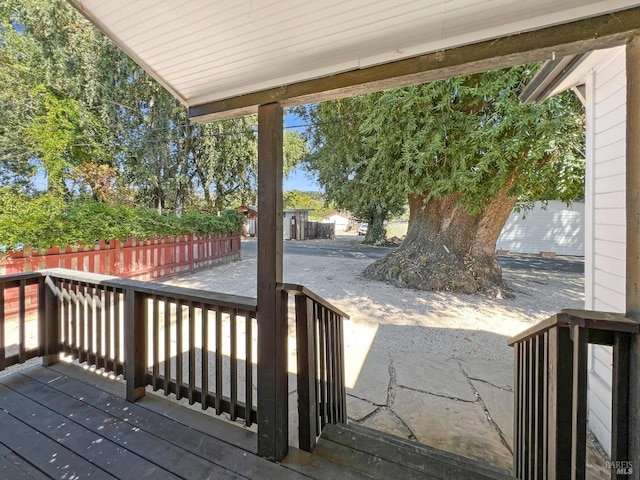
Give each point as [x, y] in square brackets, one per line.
[462, 152]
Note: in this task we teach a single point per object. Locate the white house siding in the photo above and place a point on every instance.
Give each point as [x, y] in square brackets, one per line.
[605, 220]
[341, 222]
[558, 228]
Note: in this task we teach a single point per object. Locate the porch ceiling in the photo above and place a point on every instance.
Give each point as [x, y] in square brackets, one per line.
[207, 51]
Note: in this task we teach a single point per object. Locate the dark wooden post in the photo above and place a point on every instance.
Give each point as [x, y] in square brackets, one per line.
[51, 315]
[273, 421]
[305, 341]
[560, 403]
[633, 247]
[620, 400]
[135, 369]
[579, 416]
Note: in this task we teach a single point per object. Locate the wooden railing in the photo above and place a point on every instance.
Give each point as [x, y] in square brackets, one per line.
[322, 396]
[195, 344]
[22, 332]
[550, 392]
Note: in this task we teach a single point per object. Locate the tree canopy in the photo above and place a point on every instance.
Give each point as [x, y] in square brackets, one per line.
[315, 202]
[78, 112]
[460, 152]
[343, 159]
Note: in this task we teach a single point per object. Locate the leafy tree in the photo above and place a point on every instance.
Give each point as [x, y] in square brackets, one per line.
[51, 112]
[78, 109]
[341, 158]
[462, 151]
[312, 201]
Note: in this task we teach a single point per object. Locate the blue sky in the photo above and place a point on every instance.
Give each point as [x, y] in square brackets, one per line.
[298, 179]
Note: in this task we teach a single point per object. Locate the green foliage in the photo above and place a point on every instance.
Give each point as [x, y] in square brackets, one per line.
[470, 135]
[467, 136]
[30, 221]
[312, 201]
[52, 111]
[76, 108]
[46, 220]
[341, 158]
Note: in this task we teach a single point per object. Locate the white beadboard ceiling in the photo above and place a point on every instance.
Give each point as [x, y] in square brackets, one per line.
[207, 50]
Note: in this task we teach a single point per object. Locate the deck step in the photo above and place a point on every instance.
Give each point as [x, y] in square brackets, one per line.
[379, 454]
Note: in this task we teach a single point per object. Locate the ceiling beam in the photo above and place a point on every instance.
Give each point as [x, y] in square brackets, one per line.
[557, 41]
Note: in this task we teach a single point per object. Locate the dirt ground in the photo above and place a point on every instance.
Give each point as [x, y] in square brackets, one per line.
[470, 325]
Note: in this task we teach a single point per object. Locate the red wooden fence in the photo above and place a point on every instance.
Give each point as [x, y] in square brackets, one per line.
[140, 260]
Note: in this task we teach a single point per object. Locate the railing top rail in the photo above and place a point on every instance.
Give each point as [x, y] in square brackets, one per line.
[592, 320]
[295, 289]
[16, 277]
[78, 275]
[239, 302]
[150, 288]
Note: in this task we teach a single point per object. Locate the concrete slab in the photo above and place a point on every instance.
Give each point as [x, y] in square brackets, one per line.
[372, 383]
[496, 373]
[432, 373]
[499, 402]
[293, 420]
[386, 421]
[358, 409]
[455, 426]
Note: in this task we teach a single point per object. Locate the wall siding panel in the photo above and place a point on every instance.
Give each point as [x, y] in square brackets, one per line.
[605, 280]
[610, 265]
[611, 160]
[606, 184]
[557, 228]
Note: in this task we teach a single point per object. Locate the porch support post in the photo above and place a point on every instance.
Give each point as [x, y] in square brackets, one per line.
[135, 344]
[273, 408]
[633, 249]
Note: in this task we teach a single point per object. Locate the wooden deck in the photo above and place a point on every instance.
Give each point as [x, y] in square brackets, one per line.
[64, 422]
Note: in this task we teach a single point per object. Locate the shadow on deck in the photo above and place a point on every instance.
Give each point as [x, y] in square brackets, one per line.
[67, 422]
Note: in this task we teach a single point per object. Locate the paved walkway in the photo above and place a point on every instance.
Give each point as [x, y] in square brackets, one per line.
[458, 406]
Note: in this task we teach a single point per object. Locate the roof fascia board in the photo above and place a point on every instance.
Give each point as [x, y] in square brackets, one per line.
[552, 73]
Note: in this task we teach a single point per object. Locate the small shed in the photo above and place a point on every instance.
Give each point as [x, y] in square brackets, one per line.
[251, 219]
[293, 224]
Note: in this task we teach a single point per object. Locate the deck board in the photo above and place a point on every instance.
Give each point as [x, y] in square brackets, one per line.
[142, 439]
[65, 426]
[204, 447]
[9, 470]
[46, 455]
[116, 420]
[25, 467]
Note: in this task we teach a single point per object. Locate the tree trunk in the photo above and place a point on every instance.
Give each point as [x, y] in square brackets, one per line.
[183, 170]
[376, 233]
[448, 249]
